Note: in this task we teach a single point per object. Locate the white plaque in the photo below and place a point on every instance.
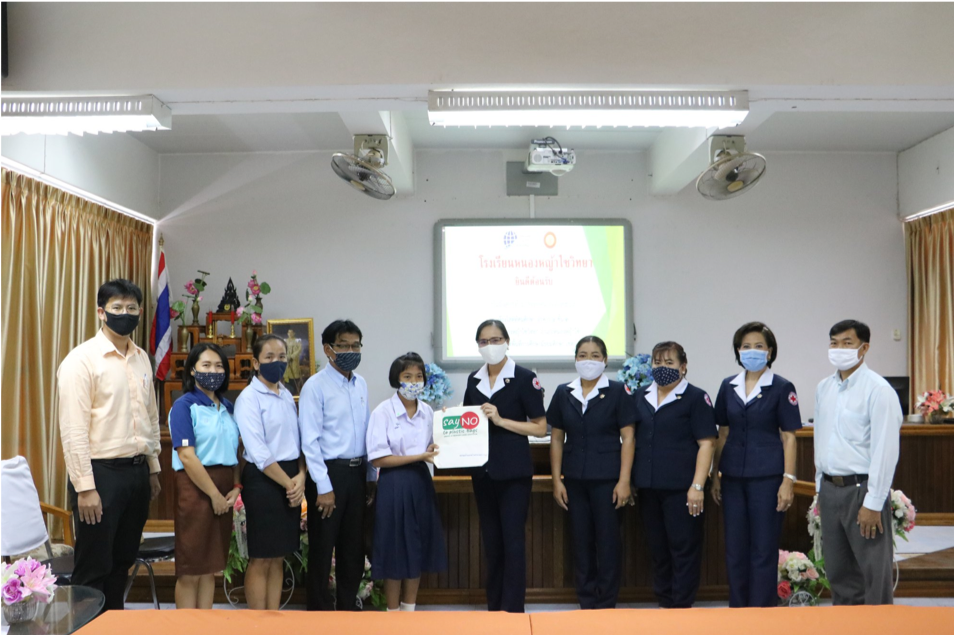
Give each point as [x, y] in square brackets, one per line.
[462, 435]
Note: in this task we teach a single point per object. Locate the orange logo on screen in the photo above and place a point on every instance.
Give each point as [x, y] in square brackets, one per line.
[549, 239]
[469, 420]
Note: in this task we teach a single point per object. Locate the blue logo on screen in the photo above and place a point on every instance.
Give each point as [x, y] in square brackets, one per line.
[509, 238]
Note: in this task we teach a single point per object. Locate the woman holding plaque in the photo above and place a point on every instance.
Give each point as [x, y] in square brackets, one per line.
[589, 416]
[511, 397]
[408, 539]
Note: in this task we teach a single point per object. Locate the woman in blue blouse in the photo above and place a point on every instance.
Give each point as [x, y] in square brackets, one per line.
[757, 413]
[273, 479]
[205, 438]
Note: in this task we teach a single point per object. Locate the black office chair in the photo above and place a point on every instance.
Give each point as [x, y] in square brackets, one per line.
[152, 550]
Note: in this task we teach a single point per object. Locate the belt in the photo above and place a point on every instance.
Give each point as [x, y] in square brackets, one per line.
[355, 462]
[131, 460]
[845, 481]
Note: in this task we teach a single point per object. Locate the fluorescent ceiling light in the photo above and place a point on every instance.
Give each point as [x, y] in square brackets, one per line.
[702, 109]
[80, 115]
[43, 177]
[931, 211]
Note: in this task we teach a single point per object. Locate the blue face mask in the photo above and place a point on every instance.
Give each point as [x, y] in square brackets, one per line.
[347, 361]
[664, 375]
[273, 371]
[753, 360]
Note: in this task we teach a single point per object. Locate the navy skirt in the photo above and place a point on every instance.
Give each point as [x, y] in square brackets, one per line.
[408, 538]
[273, 527]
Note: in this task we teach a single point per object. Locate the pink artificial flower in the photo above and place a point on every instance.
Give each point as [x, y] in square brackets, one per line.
[40, 583]
[190, 287]
[173, 313]
[784, 589]
[252, 284]
[13, 591]
[239, 505]
[256, 319]
[199, 299]
[256, 289]
[239, 311]
[812, 574]
[254, 272]
[782, 557]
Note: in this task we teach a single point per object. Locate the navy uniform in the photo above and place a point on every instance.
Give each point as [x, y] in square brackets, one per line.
[665, 465]
[502, 485]
[591, 467]
[752, 465]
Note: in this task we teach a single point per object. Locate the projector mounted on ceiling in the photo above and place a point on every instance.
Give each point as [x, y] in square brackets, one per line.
[547, 155]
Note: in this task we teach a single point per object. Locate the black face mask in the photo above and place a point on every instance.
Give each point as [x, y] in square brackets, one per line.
[273, 371]
[122, 323]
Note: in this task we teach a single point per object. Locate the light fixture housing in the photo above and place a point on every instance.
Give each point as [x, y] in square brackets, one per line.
[584, 108]
[81, 115]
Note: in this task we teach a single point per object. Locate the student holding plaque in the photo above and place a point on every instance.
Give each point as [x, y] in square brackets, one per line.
[408, 539]
[511, 397]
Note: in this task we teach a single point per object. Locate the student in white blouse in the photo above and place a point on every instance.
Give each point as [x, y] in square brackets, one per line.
[857, 436]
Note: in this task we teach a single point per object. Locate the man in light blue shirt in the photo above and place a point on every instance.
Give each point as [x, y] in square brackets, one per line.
[333, 415]
[857, 438]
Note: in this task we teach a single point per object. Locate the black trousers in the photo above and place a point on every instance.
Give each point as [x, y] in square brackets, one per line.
[675, 543]
[503, 506]
[752, 532]
[597, 542]
[341, 534]
[104, 552]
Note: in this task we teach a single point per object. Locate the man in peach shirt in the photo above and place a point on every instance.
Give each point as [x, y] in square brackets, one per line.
[109, 426]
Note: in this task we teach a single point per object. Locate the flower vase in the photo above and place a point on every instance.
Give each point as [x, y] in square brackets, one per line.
[936, 417]
[249, 334]
[184, 337]
[801, 598]
[22, 611]
[195, 313]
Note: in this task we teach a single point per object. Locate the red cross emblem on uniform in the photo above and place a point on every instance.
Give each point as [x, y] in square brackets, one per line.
[792, 399]
[628, 391]
[708, 401]
[537, 384]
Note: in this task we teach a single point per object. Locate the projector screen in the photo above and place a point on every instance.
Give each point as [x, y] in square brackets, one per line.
[550, 281]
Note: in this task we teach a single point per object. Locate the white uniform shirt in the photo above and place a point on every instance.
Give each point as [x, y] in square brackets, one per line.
[576, 389]
[858, 431]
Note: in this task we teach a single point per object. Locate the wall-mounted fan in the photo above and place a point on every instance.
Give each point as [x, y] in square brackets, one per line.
[733, 170]
[363, 168]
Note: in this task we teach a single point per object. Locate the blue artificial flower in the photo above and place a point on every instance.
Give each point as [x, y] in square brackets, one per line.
[437, 388]
[636, 372]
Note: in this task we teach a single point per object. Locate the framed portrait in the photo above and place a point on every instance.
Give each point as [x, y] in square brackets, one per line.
[299, 336]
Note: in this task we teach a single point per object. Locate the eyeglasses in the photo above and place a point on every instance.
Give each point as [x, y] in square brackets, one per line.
[132, 309]
[496, 341]
[344, 348]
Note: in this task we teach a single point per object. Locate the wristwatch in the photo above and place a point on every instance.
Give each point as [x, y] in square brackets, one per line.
[791, 476]
[697, 487]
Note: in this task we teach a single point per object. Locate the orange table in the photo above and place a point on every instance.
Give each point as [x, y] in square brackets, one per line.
[246, 622]
[840, 620]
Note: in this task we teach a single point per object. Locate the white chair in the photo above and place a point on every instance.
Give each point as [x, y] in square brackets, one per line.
[22, 526]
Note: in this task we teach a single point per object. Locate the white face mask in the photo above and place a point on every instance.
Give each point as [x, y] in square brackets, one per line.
[843, 358]
[590, 369]
[494, 353]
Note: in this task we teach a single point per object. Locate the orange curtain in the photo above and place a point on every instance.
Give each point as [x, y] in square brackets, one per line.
[930, 249]
[57, 250]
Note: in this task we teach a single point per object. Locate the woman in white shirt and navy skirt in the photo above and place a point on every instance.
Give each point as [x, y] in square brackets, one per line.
[273, 479]
[408, 538]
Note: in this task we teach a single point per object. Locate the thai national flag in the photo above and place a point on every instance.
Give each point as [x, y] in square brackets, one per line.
[160, 344]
